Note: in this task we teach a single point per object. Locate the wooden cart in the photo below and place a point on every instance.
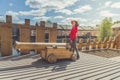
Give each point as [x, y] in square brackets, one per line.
[49, 51]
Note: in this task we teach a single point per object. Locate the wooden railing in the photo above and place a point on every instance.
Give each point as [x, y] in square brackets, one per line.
[112, 43]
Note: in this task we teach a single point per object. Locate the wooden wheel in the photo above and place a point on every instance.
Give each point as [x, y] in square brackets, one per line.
[74, 57]
[52, 58]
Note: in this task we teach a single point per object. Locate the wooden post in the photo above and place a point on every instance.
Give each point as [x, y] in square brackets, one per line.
[98, 44]
[53, 33]
[93, 45]
[80, 45]
[40, 34]
[118, 41]
[113, 43]
[104, 43]
[6, 37]
[109, 42]
[87, 45]
[25, 35]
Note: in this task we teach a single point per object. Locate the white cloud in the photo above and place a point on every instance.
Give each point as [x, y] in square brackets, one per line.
[65, 11]
[83, 9]
[1, 17]
[42, 18]
[33, 12]
[108, 3]
[96, 21]
[54, 4]
[107, 14]
[93, 22]
[93, 0]
[112, 5]
[10, 4]
[115, 5]
[100, 4]
[26, 13]
[68, 20]
[58, 17]
[13, 14]
[20, 22]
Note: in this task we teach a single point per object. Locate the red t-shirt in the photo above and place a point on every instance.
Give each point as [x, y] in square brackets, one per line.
[73, 33]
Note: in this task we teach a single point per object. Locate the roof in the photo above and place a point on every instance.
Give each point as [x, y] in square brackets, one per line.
[116, 25]
[31, 67]
[80, 27]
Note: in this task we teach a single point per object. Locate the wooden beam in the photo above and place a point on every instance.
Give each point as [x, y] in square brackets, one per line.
[37, 45]
[25, 37]
[6, 37]
[53, 33]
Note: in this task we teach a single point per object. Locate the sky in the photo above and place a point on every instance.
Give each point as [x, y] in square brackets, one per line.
[86, 12]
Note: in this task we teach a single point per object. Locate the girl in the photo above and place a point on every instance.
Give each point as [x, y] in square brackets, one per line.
[73, 36]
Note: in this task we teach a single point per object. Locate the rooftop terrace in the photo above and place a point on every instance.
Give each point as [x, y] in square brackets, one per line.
[31, 67]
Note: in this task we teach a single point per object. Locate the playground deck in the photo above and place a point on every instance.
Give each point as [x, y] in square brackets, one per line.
[31, 67]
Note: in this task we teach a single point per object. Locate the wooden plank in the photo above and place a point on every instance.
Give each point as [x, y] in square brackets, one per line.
[41, 71]
[72, 73]
[117, 41]
[85, 76]
[60, 52]
[108, 75]
[6, 37]
[6, 40]
[80, 44]
[24, 37]
[37, 45]
[40, 32]
[88, 67]
[53, 33]
[41, 43]
[27, 69]
[104, 43]
[40, 35]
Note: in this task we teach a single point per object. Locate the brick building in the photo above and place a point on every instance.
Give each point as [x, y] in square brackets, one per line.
[82, 30]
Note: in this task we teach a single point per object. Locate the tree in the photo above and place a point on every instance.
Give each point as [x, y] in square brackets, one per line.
[105, 28]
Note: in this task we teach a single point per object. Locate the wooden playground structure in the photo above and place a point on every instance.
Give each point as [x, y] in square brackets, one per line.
[56, 50]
